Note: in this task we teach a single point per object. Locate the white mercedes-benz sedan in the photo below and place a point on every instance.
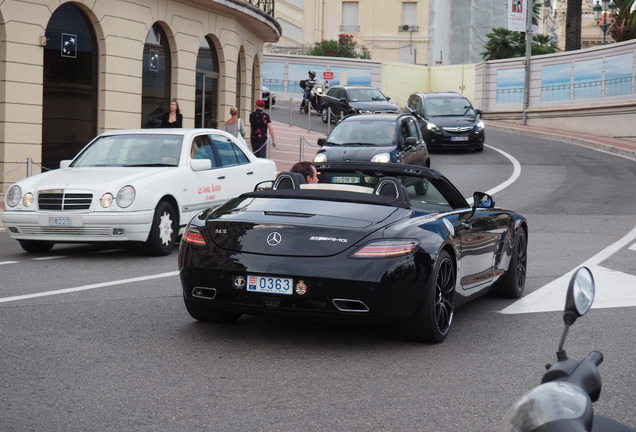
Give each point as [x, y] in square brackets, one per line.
[132, 186]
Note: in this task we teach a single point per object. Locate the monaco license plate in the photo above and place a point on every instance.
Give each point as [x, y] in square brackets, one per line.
[60, 221]
[346, 180]
[268, 284]
[459, 138]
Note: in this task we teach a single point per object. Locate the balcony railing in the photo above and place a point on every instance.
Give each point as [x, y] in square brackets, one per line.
[266, 6]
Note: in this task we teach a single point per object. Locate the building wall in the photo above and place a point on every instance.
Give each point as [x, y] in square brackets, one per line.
[121, 28]
[379, 28]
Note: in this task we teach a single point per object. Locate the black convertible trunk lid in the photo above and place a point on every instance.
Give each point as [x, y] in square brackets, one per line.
[296, 227]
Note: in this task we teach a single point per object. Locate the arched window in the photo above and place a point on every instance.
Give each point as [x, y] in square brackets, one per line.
[156, 78]
[69, 100]
[207, 85]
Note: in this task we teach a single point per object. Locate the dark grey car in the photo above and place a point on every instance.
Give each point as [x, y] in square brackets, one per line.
[392, 138]
[342, 100]
[447, 120]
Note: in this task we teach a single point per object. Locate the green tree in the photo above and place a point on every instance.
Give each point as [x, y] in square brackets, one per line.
[345, 46]
[503, 43]
[624, 26]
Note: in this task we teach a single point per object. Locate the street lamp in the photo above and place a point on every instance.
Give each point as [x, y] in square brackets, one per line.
[600, 11]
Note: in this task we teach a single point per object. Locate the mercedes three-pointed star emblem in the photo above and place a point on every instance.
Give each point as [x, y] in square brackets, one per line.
[274, 239]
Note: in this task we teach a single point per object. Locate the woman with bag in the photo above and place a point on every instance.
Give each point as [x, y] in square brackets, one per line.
[235, 125]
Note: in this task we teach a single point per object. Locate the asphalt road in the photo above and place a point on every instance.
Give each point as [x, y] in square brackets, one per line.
[109, 346]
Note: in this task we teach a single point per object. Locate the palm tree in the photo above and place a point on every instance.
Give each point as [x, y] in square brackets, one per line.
[543, 44]
[624, 25]
[573, 25]
[502, 43]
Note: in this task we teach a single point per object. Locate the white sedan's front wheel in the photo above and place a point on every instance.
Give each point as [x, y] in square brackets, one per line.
[163, 232]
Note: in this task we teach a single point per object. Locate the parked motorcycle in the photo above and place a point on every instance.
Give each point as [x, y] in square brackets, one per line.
[563, 401]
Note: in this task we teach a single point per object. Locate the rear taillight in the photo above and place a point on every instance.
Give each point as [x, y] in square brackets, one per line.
[194, 237]
[385, 249]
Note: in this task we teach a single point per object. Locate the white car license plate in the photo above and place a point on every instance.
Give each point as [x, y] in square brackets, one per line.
[267, 284]
[60, 221]
[459, 138]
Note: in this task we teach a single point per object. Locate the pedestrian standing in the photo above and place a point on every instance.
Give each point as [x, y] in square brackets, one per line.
[173, 118]
[260, 124]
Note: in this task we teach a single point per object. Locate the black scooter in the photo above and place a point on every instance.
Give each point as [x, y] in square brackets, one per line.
[563, 401]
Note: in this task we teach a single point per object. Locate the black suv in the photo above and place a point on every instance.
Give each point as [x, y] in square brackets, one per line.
[342, 100]
[448, 120]
[385, 138]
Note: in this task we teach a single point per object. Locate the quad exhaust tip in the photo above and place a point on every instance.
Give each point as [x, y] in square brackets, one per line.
[204, 293]
[350, 305]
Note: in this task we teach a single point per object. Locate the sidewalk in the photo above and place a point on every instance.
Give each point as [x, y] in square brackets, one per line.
[290, 139]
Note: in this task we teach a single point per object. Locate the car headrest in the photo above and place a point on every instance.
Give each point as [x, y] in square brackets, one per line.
[289, 180]
[393, 188]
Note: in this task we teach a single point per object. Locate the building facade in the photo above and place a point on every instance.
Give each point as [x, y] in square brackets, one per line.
[73, 69]
[391, 30]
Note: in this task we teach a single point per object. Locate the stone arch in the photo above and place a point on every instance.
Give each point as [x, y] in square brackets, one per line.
[70, 84]
[156, 75]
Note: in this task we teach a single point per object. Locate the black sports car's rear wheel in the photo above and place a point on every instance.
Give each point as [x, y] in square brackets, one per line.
[512, 283]
[432, 321]
[202, 311]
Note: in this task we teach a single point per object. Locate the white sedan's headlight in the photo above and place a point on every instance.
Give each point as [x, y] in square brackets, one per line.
[28, 199]
[106, 200]
[13, 196]
[381, 157]
[125, 196]
[320, 157]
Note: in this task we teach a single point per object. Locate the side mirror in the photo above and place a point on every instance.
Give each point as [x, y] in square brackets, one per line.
[580, 295]
[410, 141]
[264, 185]
[322, 141]
[578, 301]
[477, 112]
[65, 163]
[201, 164]
[482, 200]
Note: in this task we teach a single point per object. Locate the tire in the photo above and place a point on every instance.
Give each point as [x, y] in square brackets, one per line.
[432, 321]
[201, 311]
[163, 233]
[36, 246]
[480, 148]
[512, 283]
[324, 115]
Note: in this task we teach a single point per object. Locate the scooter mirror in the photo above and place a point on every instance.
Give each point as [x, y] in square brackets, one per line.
[580, 295]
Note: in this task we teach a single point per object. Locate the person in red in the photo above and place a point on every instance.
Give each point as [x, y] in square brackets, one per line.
[260, 123]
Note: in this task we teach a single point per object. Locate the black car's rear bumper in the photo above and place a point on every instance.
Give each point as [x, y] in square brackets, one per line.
[336, 287]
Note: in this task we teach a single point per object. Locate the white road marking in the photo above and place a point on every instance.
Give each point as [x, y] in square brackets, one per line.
[46, 258]
[516, 172]
[88, 287]
[613, 288]
[8, 262]
[632, 247]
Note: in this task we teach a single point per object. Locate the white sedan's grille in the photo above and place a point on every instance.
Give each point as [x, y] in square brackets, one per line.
[69, 231]
[58, 199]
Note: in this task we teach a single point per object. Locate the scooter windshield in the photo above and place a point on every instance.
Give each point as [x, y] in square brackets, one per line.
[546, 403]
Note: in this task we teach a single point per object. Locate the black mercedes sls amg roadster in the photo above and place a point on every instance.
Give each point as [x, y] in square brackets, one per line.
[386, 243]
